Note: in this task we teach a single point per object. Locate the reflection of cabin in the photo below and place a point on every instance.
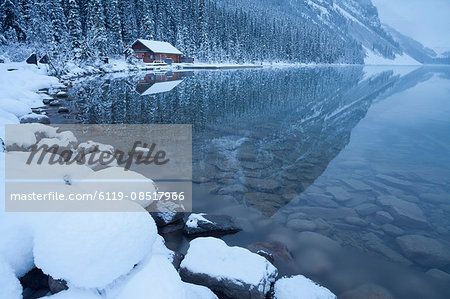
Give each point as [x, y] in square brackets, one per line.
[151, 51]
[158, 82]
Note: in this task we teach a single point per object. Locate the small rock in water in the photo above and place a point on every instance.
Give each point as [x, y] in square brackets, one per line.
[366, 209]
[62, 94]
[48, 100]
[233, 271]
[63, 110]
[356, 221]
[296, 215]
[383, 217]
[425, 251]
[392, 229]
[165, 218]
[55, 103]
[35, 118]
[210, 225]
[321, 200]
[339, 193]
[367, 291]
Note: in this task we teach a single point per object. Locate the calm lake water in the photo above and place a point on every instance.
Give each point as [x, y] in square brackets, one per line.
[344, 172]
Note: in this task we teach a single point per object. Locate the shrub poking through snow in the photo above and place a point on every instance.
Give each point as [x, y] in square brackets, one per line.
[233, 271]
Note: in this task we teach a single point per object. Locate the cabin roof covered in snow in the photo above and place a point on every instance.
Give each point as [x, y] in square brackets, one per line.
[159, 47]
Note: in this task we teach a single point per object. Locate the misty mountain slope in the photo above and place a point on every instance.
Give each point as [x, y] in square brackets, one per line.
[412, 47]
[351, 20]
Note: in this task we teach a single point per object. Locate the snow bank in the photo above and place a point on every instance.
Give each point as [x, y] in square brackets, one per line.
[90, 250]
[300, 287]
[157, 279]
[10, 287]
[16, 244]
[233, 270]
[18, 85]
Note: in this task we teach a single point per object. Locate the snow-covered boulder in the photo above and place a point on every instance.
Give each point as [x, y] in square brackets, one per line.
[159, 248]
[300, 287]
[156, 279]
[194, 291]
[210, 225]
[10, 287]
[233, 271]
[35, 118]
[26, 135]
[90, 250]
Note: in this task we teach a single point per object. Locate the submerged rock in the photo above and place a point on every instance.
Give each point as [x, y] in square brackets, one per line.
[392, 229]
[63, 110]
[302, 225]
[404, 212]
[367, 209]
[233, 271]
[439, 274]
[367, 291]
[275, 248]
[425, 251]
[383, 217]
[210, 225]
[316, 240]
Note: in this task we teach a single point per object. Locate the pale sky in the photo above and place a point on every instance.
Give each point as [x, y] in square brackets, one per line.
[427, 21]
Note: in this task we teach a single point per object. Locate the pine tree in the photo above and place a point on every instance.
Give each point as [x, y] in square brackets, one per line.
[96, 31]
[114, 27]
[74, 27]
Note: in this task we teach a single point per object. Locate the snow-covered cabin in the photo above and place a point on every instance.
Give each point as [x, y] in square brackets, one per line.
[150, 51]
